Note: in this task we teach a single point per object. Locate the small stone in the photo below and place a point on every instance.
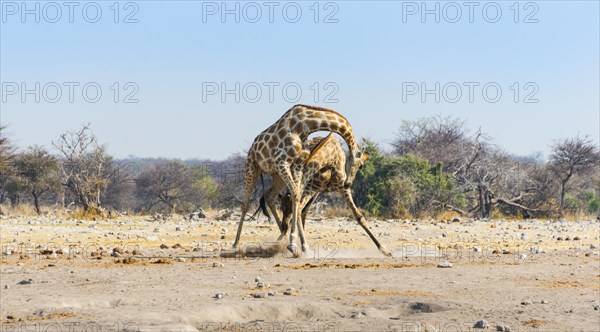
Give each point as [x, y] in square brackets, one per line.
[289, 291]
[164, 246]
[26, 282]
[156, 230]
[262, 285]
[526, 302]
[456, 220]
[6, 287]
[577, 238]
[217, 264]
[445, 265]
[593, 246]
[257, 279]
[181, 259]
[482, 324]
[503, 328]
[272, 293]
[357, 314]
[522, 257]
[178, 229]
[218, 296]
[597, 307]
[259, 295]
[544, 302]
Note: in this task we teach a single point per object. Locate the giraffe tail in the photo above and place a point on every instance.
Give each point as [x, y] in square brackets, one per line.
[262, 203]
[263, 207]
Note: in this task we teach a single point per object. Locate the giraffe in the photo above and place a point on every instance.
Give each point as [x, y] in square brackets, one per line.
[278, 151]
[323, 172]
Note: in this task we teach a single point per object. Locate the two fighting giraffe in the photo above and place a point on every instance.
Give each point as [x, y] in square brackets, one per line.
[323, 173]
[278, 151]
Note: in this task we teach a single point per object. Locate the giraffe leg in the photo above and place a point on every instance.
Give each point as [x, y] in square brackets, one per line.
[276, 187]
[286, 209]
[286, 175]
[307, 202]
[251, 174]
[300, 180]
[347, 194]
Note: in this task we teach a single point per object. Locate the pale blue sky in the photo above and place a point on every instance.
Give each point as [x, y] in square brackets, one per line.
[367, 55]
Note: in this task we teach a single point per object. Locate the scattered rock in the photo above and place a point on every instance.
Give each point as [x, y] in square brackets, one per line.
[593, 246]
[445, 265]
[218, 296]
[482, 324]
[526, 302]
[181, 259]
[259, 295]
[272, 293]
[357, 314]
[262, 285]
[217, 264]
[544, 302]
[503, 328]
[289, 291]
[257, 279]
[164, 246]
[26, 282]
[522, 257]
[456, 220]
[597, 307]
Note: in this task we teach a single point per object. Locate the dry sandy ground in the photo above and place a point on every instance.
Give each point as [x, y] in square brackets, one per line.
[60, 276]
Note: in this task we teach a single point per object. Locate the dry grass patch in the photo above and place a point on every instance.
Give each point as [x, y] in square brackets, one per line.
[534, 323]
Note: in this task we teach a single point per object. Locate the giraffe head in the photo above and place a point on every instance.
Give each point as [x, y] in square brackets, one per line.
[353, 165]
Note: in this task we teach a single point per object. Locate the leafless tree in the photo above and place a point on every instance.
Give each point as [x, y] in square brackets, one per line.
[84, 166]
[440, 139]
[173, 185]
[37, 173]
[120, 191]
[487, 176]
[572, 156]
[7, 153]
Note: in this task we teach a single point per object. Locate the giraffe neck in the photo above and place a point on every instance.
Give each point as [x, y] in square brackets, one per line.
[313, 119]
[305, 120]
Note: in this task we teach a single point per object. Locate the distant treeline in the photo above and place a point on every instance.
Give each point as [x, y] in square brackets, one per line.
[435, 164]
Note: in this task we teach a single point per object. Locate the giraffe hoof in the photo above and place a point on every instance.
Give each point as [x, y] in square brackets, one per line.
[293, 248]
[385, 252]
[305, 248]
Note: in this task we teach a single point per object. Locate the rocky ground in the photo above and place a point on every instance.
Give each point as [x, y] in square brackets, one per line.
[138, 273]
